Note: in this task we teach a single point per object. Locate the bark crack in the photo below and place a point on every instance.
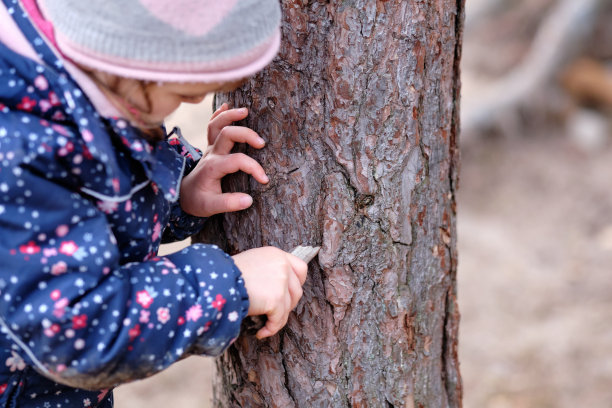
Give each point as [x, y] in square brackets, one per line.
[450, 373]
[455, 121]
[286, 373]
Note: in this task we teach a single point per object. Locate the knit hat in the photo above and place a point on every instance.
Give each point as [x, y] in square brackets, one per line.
[168, 40]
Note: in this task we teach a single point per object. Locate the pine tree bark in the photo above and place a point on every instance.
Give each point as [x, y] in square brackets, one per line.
[360, 114]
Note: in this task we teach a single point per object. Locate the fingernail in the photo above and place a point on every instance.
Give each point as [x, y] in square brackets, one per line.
[261, 141]
[242, 110]
[246, 201]
[265, 179]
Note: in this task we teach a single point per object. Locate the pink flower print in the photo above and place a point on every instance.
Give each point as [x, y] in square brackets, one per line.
[30, 248]
[107, 207]
[2, 106]
[60, 129]
[59, 308]
[61, 230]
[56, 294]
[65, 150]
[163, 315]
[55, 101]
[62, 303]
[218, 302]
[180, 321]
[144, 299]
[86, 403]
[45, 105]
[102, 394]
[27, 104]
[87, 135]
[115, 182]
[137, 146]
[41, 83]
[144, 316]
[59, 116]
[52, 330]
[15, 362]
[59, 268]
[49, 252]
[128, 205]
[232, 317]
[68, 248]
[134, 332]
[156, 231]
[194, 313]
[3, 388]
[79, 321]
[168, 263]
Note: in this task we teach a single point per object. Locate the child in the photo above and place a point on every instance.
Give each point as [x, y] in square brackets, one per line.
[90, 186]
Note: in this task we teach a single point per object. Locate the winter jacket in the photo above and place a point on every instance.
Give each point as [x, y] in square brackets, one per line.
[85, 201]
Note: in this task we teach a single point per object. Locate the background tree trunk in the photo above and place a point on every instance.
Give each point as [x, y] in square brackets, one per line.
[360, 113]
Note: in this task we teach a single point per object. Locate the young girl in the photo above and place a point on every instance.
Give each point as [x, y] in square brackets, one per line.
[91, 185]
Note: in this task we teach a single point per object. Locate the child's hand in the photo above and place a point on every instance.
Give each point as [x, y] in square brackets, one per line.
[201, 193]
[273, 280]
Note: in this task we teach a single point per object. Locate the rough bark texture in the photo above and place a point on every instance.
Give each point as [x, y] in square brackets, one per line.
[360, 112]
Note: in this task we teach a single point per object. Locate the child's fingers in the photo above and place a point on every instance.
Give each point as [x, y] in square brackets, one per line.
[222, 120]
[227, 202]
[212, 134]
[221, 109]
[300, 268]
[231, 135]
[276, 319]
[240, 162]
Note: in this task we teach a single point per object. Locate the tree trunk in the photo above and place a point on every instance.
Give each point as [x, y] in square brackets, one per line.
[360, 114]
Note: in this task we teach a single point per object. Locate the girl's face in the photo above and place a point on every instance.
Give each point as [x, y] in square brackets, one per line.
[163, 99]
[147, 104]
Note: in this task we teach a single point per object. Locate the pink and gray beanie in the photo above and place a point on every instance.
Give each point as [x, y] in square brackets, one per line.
[168, 40]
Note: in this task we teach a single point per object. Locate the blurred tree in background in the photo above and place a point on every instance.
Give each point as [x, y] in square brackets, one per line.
[538, 63]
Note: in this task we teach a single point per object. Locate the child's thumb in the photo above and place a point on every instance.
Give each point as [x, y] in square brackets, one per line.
[299, 267]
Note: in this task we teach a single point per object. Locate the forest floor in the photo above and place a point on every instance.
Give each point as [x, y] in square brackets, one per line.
[535, 249]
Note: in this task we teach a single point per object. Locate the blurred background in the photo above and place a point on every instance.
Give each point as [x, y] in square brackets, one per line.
[535, 204]
[534, 214]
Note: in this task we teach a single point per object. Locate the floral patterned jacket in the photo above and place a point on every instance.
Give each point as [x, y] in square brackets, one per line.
[85, 201]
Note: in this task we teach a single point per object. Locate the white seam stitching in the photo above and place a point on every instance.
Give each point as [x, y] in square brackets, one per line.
[25, 348]
[115, 199]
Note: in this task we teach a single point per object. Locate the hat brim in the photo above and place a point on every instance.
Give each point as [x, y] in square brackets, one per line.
[218, 72]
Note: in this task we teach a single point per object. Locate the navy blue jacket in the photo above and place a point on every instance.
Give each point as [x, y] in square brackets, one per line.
[85, 201]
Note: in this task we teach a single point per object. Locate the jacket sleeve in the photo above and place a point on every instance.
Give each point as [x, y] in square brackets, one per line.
[81, 318]
[182, 225]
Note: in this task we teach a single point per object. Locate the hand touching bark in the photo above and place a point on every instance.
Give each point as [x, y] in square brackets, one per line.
[273, 280]
[201, 193]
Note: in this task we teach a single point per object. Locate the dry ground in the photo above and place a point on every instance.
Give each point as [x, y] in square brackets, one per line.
[535, 249]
